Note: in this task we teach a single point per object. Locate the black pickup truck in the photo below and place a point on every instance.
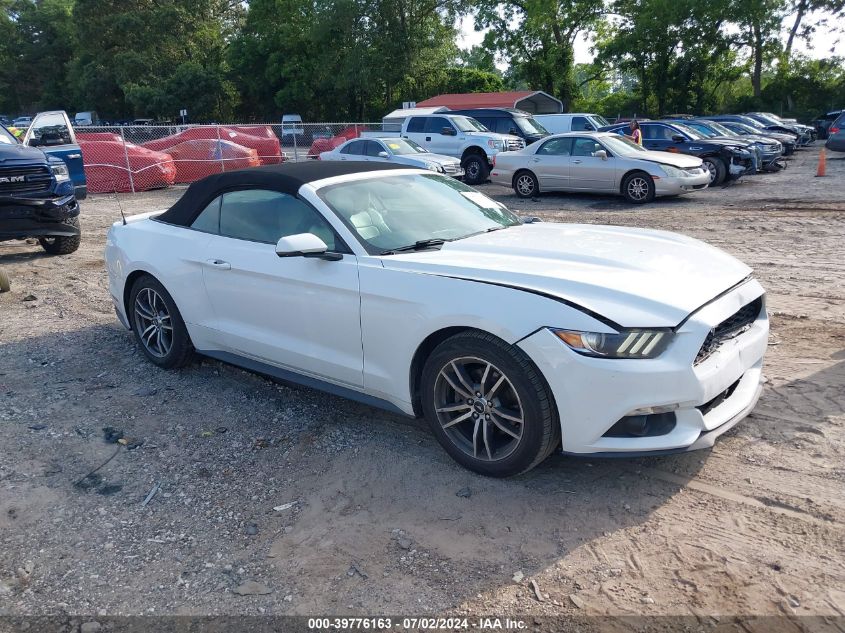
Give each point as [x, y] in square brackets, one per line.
[724, 159]
[37, 197]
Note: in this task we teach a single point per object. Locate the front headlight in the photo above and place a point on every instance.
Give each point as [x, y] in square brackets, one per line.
[431, 167]
[60, 172]
[672, 172]
[624, 344]
[493, 144]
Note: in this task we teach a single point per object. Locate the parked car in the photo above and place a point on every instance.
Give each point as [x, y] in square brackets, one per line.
[461, 137]
[508, 121]
[759, 127]
[292, 129]
[22, 122]
[86, 118]
[375, 282]
[599, 163]
[755, 149]
[806, 132]
[768, 150]
[36, 197]
[836, 135]
[574, 122]
[267, 149]
[52, 133]
[823, 122]
[724, 159]
[787, 141]
[394, 150]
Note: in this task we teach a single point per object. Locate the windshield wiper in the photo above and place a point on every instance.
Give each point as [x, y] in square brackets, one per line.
[419, 245]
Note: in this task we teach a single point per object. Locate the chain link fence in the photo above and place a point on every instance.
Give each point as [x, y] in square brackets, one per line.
[142, 157]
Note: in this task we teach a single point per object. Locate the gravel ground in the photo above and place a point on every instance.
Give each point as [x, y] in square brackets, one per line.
[310, 504]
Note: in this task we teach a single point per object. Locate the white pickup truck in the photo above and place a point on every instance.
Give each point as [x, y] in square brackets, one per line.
[458, 136]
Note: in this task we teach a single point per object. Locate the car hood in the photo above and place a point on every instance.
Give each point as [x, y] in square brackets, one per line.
[420, 160]
[633, 277]
[682, 161]
[21, 153]
[721, 142]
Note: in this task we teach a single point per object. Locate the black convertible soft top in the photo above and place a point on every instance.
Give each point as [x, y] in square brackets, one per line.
[285, 178]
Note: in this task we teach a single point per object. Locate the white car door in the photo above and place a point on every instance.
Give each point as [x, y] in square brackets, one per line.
[354, 150]
[551, 163]
[298, 313]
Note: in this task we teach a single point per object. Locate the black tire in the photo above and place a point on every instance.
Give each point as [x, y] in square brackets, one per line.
[475, 169]
[638, 187]
[539, 433]
[717, 169]
[525, 184]
[180, 350]
[5, 284]
[62, 244]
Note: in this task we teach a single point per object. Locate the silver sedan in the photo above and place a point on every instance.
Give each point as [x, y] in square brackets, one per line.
[395, 150]
[598, 162]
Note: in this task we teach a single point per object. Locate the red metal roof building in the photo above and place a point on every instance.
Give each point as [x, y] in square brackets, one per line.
[533, 101]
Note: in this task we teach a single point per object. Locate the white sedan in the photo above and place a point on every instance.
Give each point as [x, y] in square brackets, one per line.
[598, 162]
[395, 150]
[408, 290]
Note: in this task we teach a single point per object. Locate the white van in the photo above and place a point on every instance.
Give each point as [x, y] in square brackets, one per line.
[292, 127]
[571, 122]
[86, 118]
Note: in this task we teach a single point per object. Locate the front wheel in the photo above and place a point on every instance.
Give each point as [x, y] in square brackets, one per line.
[717, 169]
[488, 405]
[475, 169]
[525, 185]
[638, 187]
[62, 244]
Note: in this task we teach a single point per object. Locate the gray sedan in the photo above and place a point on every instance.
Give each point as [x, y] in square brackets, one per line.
[598, 162]
[395, 150]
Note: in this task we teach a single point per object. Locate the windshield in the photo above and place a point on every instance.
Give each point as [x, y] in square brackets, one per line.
[466, 124]
[6, 137]
[600, 120]
[721, 129]
[686, 129]
[767, 119]
[393, 212]
[622, 145]
[702, 129]
[400, 147]
[529, 126]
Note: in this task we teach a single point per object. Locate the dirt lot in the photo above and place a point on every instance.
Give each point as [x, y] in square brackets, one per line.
[367, 514]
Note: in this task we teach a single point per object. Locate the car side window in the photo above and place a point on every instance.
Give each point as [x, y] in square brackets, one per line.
[584, 147]
[435, 124]
[556, 147]
[259, 215]
[416, 124]
[652, 132]
[208, 221]
[374, 148]
[580, 123]
[355, 148]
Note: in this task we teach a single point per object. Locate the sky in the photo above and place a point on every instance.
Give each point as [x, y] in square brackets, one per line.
[825, 42]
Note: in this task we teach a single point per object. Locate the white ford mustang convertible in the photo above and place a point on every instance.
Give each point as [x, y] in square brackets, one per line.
[408, 290]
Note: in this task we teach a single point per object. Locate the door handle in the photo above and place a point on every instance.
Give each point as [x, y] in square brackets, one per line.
[576, 161]
[74, 155]
[428, 138]
[535, 160]
[219, 264]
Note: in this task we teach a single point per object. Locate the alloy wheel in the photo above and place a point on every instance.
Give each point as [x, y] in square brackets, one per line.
[153, 323]
[711, 168]
[478, 408]
[638, 188]
[472, 170]
[525, 185]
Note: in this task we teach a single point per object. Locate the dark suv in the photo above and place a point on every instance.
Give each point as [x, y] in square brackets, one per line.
[725, 159]
[507, 121]
[36, 197]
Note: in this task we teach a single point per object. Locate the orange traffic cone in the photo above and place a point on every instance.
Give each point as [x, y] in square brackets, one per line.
[822, 164]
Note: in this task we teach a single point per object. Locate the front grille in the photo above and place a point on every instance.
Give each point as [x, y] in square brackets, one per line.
[452, 168]
[515, 144]
[25, 180]
[772, 148]
[731, 327]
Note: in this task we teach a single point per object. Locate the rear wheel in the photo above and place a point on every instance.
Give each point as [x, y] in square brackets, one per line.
[525, 185]
[638, 187]
[158, 325]
[475, 169]
[717, 169]
[62, 244]
[488, 405]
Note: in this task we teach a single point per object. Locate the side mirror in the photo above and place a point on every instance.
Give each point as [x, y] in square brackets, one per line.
[448, 131]
[383, 155]
[678, 138]
[301, 245]
[588, 127]
[601, 154]
[513, 132]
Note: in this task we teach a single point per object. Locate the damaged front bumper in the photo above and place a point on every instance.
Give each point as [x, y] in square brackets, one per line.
[38, 217]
